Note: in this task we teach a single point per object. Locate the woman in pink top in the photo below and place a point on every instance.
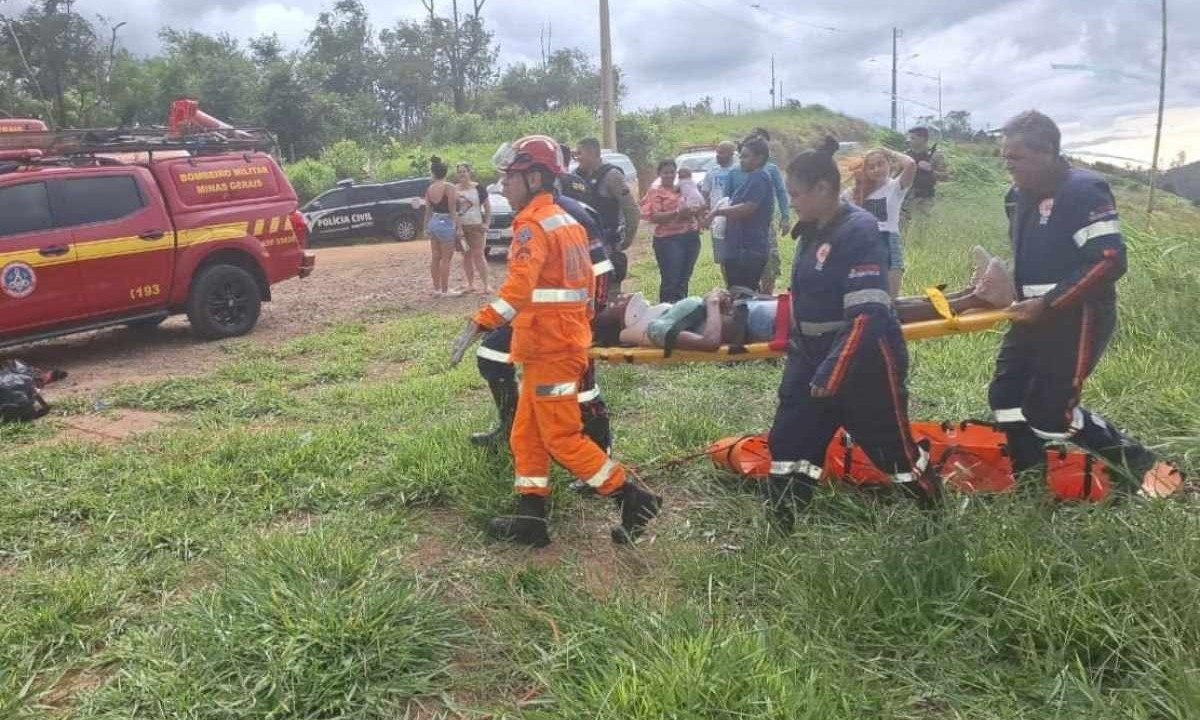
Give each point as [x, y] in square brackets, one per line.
[676, 234]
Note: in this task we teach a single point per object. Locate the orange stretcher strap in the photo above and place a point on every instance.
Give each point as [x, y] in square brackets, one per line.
[968, 323]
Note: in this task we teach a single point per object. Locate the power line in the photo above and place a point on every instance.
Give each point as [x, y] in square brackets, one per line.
[749, 23]
[793, 18]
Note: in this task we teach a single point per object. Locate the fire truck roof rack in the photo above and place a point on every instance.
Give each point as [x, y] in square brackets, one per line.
[148, 140]
[188, 129]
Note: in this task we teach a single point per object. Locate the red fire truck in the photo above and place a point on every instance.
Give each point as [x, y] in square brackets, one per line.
[101, 228]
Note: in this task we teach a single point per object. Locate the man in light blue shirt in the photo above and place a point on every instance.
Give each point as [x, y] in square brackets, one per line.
[715, 188]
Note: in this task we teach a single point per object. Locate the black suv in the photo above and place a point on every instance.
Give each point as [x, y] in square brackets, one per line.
[353, 210]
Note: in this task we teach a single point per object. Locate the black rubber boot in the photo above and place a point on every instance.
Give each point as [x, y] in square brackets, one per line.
[1028, 454]
[786, 496]
[504, 393]
[926, 490]
[596, 424]
[527, 527]
[638, 507]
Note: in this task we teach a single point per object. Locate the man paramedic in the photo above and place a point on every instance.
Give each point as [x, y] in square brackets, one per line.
[546, 298]
[1067, 257]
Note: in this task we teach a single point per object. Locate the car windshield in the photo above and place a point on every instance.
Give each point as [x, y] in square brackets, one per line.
[696, 163]
[620, 161]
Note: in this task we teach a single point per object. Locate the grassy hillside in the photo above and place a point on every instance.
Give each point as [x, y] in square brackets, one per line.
[305, 541]
[646, 138]
[1183, 181]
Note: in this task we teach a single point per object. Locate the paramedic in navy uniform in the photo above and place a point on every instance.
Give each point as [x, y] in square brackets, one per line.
[1068, 255]
[846, 359]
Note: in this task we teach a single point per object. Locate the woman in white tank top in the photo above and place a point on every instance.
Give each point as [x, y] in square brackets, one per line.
[474, 214]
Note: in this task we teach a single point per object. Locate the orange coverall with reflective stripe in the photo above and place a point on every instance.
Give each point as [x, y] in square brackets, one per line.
[547, 299]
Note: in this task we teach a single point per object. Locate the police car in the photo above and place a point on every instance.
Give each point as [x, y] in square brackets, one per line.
[363, 210]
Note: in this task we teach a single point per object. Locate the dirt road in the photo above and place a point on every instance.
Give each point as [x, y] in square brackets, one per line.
[349, 282]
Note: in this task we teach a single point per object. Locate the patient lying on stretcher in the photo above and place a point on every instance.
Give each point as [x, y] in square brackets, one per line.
[741, 317]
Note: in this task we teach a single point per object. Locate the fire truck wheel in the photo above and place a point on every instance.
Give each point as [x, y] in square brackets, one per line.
[225, 302]
[405, 228]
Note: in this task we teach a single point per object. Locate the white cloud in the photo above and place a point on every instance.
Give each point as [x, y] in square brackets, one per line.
[995, 56]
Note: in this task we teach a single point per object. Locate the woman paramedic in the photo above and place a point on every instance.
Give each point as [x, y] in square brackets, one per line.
[846, 360]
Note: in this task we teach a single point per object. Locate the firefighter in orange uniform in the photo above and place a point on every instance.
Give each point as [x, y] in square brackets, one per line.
[547, 299]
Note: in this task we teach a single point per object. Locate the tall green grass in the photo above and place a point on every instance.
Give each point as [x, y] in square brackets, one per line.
[304, 539]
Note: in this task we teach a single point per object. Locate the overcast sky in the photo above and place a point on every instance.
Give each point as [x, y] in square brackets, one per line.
[995, 56]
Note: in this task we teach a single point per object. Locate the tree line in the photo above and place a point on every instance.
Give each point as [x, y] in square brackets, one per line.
[348, 80]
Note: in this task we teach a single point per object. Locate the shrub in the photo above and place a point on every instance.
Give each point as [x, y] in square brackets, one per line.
[310, 178]
[347, 159]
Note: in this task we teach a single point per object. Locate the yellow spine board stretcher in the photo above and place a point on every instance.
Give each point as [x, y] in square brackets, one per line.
[967, 323]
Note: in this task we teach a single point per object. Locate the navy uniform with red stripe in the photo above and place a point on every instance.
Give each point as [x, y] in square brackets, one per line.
[496, 366]
[847, 364]
[1069, 252]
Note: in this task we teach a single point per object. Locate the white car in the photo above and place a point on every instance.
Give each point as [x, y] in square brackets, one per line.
[623, 162]
[499, 233]
[699, 162]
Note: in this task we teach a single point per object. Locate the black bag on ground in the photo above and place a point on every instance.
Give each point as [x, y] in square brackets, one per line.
[20, 400]
[41, 378]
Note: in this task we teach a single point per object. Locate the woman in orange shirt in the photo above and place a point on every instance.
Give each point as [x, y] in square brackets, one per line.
[676, 234]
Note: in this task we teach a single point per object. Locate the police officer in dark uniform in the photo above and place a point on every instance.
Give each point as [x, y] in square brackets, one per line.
[1068, 255]
[492, 355]
[847, 361]
[931, 166]
[618, 209]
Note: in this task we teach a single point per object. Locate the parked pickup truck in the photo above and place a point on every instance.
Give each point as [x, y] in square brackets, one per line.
[99, 236]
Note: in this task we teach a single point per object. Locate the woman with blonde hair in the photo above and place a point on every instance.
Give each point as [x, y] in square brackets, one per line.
[880, 193]
[474, 216]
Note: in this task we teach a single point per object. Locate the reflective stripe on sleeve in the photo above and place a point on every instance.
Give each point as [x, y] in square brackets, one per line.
[493, 355]
[589, 395]
[545, 295]
[555, 390]
[864, 297]
[503, 309]
[555, 222]
[1095, 230]
[604, 266]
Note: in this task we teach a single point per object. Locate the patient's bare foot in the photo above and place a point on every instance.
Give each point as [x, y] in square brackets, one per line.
[991, 280]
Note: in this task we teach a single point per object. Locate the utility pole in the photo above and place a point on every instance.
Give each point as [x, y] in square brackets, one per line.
[772, 82]
[941, 122]
[608, 104]
[1162, 96]
[895, 48]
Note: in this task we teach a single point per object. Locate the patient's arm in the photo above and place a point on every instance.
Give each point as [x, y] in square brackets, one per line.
[709, 338]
